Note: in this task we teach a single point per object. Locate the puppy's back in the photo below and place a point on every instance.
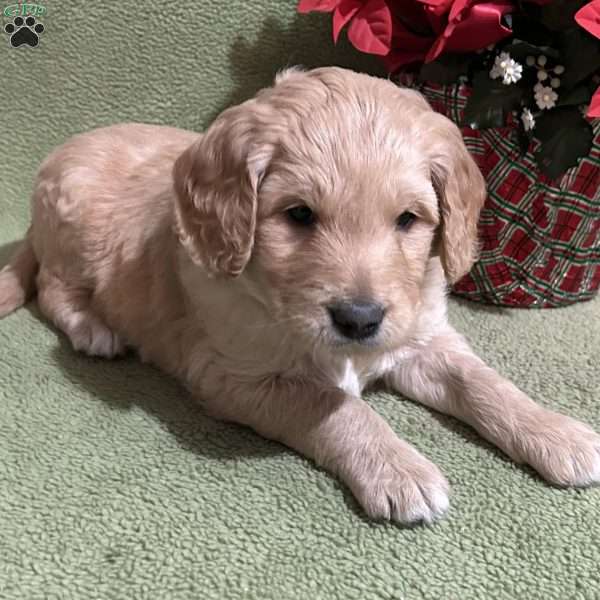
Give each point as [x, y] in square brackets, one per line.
[103, 182]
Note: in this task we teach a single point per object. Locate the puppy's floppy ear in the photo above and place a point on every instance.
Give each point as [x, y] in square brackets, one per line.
[460, 188]
[216, 181]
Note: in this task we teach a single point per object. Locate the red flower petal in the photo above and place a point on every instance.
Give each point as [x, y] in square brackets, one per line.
[371, 28]
[440, 7]
[588, 17]
[407, 47]
[594, 109]
[306, 6]
[342, 14]
[475, 28]
[409, 14]
[457, 9]
[397, 59]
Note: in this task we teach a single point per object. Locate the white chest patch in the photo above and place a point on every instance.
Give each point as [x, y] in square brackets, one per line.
[349, 380]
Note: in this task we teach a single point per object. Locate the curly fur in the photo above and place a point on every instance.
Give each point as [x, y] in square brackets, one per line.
[179, 245]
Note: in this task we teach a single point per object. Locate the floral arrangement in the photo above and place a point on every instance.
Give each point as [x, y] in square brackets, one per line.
[533, 64]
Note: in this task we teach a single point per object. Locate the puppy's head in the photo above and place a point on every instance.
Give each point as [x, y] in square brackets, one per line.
[329, 193]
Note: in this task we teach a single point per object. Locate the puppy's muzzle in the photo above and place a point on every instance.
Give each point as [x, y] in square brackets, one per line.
[356, 319]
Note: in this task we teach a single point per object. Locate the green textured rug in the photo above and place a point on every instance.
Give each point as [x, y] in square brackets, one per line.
[113, 485]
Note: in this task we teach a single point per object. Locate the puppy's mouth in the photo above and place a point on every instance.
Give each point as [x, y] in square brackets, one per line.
[349, 345]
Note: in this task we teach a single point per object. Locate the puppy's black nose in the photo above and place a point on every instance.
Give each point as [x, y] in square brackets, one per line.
[356, 319]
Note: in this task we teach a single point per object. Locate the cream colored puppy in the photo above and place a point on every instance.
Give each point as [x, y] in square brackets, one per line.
[295, 253]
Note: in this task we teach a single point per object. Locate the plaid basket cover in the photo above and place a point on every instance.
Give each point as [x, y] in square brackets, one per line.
[540, 238]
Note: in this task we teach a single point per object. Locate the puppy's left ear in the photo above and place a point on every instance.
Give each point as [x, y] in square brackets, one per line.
[216, 184]
[461, 192]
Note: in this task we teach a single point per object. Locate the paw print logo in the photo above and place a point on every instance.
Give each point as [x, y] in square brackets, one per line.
[24, 32]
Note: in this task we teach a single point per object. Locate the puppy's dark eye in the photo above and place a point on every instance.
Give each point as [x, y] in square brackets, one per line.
[301, 215]
[405, 220]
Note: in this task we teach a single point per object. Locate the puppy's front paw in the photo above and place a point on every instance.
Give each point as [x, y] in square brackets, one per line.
[91, 336]
[562, 450]
[401, 485]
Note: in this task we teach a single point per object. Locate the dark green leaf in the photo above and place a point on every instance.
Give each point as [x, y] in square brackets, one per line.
[580, 55]
[557, 16]
[524, 139]
[520, 50]
[490, 102]
[446, 70]
[565, 136]
[578, 95]
[531, 30]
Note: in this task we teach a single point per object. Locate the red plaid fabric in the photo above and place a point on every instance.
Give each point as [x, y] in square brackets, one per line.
[540, 238]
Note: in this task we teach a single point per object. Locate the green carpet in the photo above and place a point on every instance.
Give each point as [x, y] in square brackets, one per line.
[113, 485]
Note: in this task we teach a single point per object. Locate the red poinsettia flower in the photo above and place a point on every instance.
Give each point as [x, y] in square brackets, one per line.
[469, 25]
[589, 18]
[409, 31]
[370, 29]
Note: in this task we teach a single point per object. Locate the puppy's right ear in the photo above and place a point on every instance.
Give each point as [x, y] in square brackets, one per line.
[216, 182]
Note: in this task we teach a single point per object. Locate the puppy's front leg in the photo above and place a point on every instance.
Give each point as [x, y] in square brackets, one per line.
[447, 376]
[389, 478]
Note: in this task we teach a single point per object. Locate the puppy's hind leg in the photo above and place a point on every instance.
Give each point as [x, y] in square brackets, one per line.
[68, 307]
